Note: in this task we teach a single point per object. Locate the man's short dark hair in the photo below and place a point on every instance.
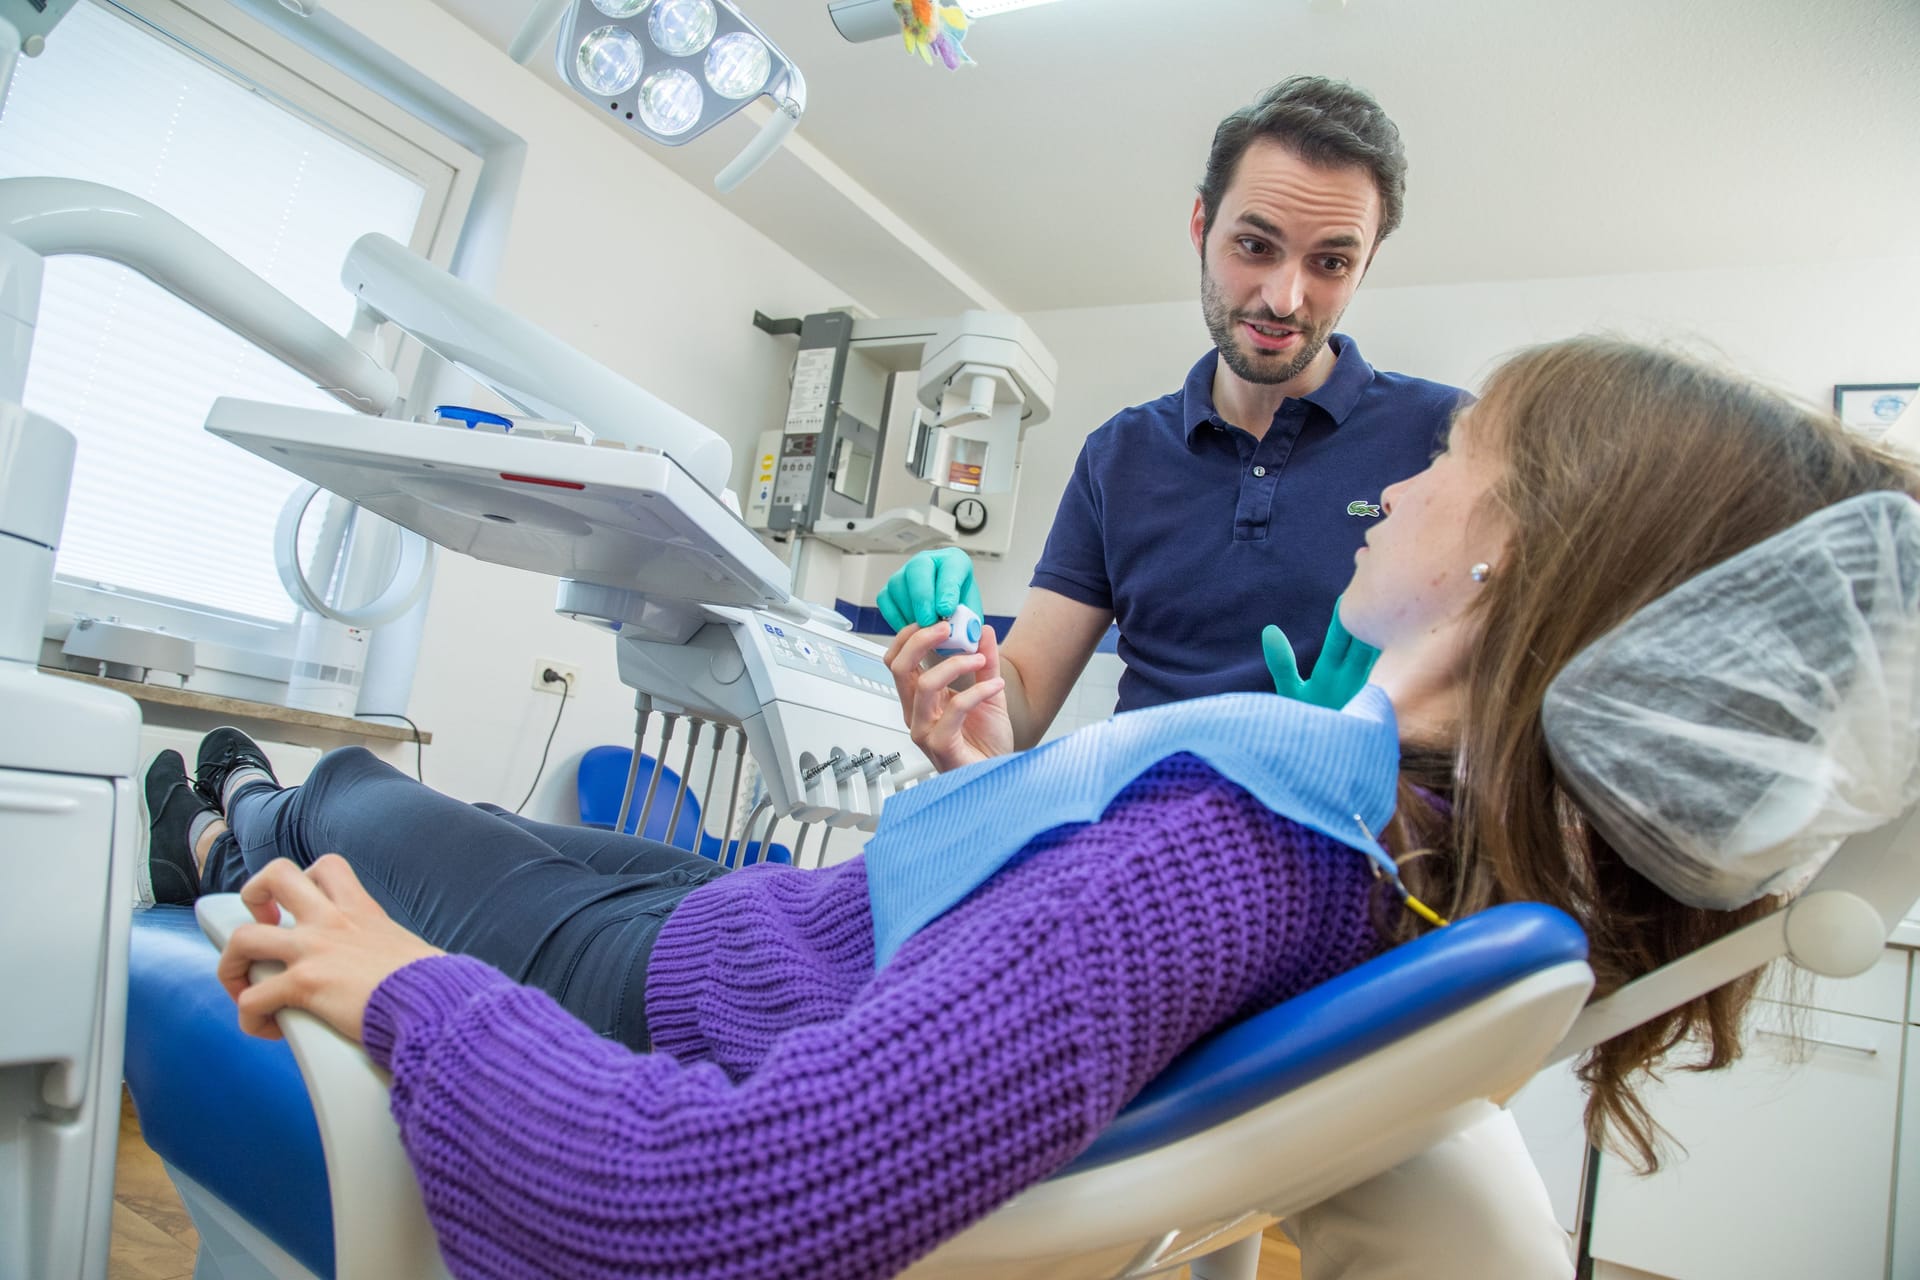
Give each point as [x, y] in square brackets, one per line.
[1325, 122]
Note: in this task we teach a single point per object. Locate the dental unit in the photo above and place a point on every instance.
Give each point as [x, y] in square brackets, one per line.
[607, 488]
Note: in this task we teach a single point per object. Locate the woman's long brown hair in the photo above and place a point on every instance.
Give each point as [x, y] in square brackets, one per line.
[1628, 471]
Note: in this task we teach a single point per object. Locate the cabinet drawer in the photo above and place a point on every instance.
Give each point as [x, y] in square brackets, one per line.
[56, 866]
[1880, 992]
[1798, 1134]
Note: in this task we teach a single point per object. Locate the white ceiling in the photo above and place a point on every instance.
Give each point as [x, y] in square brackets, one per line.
[1546, 138]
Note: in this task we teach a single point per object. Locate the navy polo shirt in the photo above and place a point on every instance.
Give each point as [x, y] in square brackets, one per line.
[1195, 535]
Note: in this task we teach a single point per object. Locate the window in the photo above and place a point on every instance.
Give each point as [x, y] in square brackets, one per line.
[167, 525]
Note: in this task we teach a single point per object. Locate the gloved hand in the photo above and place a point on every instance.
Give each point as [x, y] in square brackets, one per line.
[928, 588]
[1338, 673]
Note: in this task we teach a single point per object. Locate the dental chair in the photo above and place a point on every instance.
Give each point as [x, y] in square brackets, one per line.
[290, 1164]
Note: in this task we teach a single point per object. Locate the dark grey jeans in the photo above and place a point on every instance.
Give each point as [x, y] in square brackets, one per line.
[571, 910]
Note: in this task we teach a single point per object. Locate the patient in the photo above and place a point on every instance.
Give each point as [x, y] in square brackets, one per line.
[774, 1106]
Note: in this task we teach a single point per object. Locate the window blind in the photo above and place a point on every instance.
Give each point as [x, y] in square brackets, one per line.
[157, 504]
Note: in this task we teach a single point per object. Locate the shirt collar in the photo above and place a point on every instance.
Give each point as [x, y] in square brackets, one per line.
[1337, 396]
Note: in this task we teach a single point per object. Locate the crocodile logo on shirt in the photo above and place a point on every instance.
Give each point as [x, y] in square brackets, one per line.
[1360, 507]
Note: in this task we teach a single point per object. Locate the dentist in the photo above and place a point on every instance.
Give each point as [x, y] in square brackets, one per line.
[1237, 500]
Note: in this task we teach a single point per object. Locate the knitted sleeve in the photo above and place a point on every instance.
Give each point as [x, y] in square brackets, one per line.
[992, 1050]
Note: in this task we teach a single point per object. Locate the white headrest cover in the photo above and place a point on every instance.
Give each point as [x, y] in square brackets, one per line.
[1727, 737]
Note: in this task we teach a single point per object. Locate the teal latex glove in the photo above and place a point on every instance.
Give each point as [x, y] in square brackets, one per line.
[928, 588]
[1338, 673]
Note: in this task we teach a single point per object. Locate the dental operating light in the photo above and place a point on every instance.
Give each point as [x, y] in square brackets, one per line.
[672, 69]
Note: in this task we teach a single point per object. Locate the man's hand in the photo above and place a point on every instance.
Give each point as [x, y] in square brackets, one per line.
[928, 588]
[953, 729]
[1339, 672]
[342, 947]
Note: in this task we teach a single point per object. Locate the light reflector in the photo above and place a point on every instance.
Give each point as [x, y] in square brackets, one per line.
[670, 102]
[610, 60]
[738, 65]
[681, 28]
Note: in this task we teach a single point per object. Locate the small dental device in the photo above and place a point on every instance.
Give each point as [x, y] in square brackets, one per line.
[963, 635]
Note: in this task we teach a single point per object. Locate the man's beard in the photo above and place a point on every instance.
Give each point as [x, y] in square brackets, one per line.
[1223, 324]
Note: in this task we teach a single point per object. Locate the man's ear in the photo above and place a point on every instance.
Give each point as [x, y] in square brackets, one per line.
[1197, 227]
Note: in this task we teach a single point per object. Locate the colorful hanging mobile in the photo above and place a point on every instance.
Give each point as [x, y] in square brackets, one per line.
[932, 29]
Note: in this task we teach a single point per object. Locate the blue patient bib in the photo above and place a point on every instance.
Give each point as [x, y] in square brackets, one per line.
[1327, 770]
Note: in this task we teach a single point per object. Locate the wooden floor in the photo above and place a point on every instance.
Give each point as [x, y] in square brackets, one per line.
[153, 1239]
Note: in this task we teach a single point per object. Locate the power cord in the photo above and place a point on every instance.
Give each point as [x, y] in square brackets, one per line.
[548, 676]
[418, 750]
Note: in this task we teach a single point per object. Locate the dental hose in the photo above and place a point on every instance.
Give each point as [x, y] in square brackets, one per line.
[733, 802]
[706, 796]
[739, 858]
[680, 796]
[668, 720]
[644, 705]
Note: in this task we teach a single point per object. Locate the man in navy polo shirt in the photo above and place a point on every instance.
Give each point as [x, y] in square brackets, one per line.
[1237, 501]
[1197, 519]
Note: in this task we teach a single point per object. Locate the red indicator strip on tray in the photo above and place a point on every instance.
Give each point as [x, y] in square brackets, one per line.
[555, 484]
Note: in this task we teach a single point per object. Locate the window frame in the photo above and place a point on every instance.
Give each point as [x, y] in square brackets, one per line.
[235, 654]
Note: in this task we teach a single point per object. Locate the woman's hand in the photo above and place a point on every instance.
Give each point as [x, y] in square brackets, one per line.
[953, 729]
[342, 947]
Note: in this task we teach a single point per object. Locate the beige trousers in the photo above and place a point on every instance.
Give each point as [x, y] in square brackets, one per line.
[1470, 1208]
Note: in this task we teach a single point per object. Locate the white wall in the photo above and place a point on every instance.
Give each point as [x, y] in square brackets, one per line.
[649, 275]
[1799, 328]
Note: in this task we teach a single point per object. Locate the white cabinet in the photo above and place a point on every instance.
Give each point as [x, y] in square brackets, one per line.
[1788, 1158]
[1906, 1199]
[56, 1009]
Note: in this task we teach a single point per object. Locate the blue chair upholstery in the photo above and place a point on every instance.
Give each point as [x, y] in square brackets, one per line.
[232, 1113]
[223, 1108]
[1322, 1030]
[602, 779]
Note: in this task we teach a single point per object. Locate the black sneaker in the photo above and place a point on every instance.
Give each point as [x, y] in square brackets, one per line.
[172, 805]
[222, 753]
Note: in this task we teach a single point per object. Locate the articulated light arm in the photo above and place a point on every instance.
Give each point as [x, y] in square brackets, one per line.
[65, 216]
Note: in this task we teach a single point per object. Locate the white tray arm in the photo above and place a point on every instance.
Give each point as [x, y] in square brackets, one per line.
[380, 1228]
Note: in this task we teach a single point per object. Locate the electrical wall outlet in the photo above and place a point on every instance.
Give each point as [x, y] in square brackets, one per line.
[569, 674]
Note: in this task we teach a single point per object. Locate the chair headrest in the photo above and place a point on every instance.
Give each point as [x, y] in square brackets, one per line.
[1728, 736]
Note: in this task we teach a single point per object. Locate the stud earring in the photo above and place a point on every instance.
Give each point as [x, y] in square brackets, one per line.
[1480, 572]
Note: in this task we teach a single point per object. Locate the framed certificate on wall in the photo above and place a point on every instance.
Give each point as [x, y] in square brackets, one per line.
[1872, 407]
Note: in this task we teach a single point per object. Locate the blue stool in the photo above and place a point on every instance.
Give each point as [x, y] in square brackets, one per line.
[602, 779]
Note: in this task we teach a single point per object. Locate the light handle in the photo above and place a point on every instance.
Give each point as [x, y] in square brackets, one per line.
[788, 107]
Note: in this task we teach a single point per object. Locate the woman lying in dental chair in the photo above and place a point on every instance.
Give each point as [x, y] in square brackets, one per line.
[778, 1105]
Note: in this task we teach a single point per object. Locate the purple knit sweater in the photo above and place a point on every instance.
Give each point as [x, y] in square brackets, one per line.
[806, 1116]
